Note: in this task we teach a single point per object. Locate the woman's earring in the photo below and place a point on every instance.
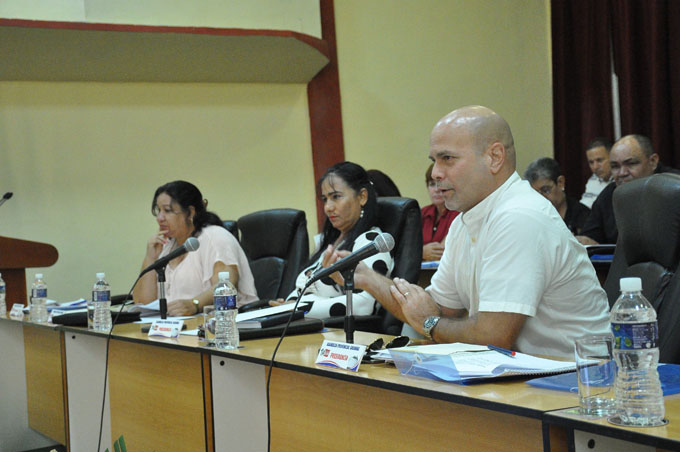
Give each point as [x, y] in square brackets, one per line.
[361, 215]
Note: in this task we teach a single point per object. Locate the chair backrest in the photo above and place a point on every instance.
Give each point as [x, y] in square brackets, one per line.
[401, 218]
[231, 226]
[647, 215]
[277, 246]
[668, 317]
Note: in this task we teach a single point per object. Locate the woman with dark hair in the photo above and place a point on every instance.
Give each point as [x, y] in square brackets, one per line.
[180, 211]
[350, 205]
[383, 184]
[436, 220]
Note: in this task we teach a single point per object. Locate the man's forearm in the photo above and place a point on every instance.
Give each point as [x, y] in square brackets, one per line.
[497, 328]
[379, 286]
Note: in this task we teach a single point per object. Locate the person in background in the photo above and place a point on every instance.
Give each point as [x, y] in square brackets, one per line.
[511, 275]
[597, 153]
[383, 184]
[631, 157]
[180, 212]
[545, 177]
[350, 205]
[436, 220]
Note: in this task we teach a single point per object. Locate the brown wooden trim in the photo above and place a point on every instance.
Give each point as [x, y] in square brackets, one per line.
[317, 43]
[207, 403]
[325, 114]
[67, 429]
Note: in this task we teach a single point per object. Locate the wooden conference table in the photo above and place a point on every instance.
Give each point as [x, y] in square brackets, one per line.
[171, 394]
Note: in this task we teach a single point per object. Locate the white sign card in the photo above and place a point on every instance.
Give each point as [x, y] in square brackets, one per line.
[341, 355]
[17, 312]
[166, 328]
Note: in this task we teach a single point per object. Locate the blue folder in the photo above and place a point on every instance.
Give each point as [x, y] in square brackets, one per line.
[669, 375]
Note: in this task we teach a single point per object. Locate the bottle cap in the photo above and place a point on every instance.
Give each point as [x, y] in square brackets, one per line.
[630, 284]
[38, 276]
[101, 275]
[223, 275]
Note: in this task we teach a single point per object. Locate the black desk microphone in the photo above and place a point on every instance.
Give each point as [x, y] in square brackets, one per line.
[5, 197]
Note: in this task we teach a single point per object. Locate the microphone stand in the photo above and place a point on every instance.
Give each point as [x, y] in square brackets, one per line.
[163, 303]
[348, 276]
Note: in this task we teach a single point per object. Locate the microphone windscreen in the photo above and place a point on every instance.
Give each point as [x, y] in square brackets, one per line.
[384, 242]
[8, 195]
[192, 244]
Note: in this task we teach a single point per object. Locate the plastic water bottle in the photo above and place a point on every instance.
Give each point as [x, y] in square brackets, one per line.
[101, 301]
[3, 305]
[639, 399]
[226, 332]
[39, 300]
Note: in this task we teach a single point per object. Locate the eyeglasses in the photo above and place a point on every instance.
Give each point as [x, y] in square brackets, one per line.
[157, 210]
[377, 345]
[546, 189]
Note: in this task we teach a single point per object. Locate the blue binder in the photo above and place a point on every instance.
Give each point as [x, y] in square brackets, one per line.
[669, 375]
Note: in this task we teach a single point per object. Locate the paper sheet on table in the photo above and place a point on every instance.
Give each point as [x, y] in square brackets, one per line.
[433, 349]
[150, 309]
[153, 308]
[151, 318]
[472, 365]
[267, 311]
[66, 306]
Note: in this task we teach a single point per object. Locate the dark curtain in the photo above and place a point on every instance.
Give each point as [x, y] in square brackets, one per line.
[582, 99]
[646, 43]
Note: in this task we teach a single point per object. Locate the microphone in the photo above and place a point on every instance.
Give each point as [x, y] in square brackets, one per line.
[5, 197]
[382, 244]
[191, 244]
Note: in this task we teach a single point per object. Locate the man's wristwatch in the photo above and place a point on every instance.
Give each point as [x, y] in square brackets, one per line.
[428, 326]
[197, 305]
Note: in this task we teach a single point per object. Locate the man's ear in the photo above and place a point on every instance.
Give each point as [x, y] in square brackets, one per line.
[654, 160]
[496, 155]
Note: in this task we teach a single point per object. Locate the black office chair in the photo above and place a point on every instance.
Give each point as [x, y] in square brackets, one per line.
[277, 246]
[401, 218]
[231, 226]
[647, 215]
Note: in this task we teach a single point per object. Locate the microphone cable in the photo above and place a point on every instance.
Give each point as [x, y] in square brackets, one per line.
[106, 361]
[271, 363]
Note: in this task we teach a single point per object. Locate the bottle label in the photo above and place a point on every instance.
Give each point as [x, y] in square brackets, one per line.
[39, 293]
[2, 287]
[101, 295]
[225, 302]
[635, 336]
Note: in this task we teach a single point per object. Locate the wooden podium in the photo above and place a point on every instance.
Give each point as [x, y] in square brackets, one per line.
[16, 256]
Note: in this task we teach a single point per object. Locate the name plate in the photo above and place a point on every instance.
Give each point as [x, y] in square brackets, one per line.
[166, 328]
[17, 312]
[55, 313]
[341, 355]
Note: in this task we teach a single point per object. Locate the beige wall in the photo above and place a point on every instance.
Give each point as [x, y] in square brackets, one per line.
[404, 64]
[83, 159]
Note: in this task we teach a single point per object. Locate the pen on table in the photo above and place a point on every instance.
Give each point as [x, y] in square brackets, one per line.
[502, 350]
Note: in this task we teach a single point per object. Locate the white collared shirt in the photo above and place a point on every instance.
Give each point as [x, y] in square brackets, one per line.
[594, 187]
[513, 253]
